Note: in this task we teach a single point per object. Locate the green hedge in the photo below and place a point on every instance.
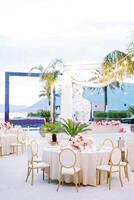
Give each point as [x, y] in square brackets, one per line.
[40, 113]
[111, 114]
[100, 114]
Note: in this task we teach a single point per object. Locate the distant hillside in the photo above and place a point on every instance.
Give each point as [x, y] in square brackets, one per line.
[42, 104]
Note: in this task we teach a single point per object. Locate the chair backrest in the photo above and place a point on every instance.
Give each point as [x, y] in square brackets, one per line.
[23, 135]
[108, 142]
[34, 147]
[19, 137]
[67, 158]
[115, 157]
[30, 154]
[32, 151]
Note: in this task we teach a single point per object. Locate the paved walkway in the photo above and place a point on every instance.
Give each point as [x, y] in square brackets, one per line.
[14, 187]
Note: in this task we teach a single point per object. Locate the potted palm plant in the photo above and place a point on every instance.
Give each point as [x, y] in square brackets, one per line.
[73, 128]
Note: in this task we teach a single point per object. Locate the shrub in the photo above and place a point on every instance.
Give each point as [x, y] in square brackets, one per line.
[100, 114]
[41, 113]
[111, 114]
[118, 114]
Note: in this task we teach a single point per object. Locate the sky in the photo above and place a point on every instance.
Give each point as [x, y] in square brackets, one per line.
[33, 32]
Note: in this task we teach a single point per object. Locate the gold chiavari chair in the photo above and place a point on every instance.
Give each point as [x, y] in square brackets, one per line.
[34, 165]
[67, 161]
[23, 139]
[124, 163]
[34, 147]
[108, 142]
[17, 145]
[113, 167]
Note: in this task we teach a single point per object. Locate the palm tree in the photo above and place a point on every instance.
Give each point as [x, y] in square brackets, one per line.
[130, 70]
[49, 76]
[114, 68]
[119, 64]
[101, 77]
[112, 63]
[116, 65]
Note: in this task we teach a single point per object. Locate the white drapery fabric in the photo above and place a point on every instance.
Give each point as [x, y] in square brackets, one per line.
[80, 75]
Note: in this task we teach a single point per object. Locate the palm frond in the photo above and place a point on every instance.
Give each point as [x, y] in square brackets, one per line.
[73, 128]
[40, 68]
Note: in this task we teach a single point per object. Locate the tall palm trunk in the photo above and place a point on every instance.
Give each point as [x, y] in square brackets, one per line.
[52, 104]
[105, 98]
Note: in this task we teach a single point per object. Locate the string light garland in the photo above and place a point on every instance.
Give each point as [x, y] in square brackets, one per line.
[105, 78]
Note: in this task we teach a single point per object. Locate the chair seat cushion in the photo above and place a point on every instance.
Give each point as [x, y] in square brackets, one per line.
[123, 163]
[70, 171]
[107, 168]
[40, 165]
[37, 160]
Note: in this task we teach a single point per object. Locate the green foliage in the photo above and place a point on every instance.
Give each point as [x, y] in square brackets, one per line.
[118, 114]
[52, 127]
[100, 114]
[44, 113]
[131, 109]
[118, 57]
[131, 44]
[73, 128]
[112, 58]
[49, 75]
[111, 114]
[40, 113]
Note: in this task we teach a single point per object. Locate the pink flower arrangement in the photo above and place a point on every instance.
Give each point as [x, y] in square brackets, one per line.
[6, 125]
[106, 123]
[122, 130]
[80, 142]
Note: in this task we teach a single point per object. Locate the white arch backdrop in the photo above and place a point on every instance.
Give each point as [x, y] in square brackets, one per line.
[73, 105]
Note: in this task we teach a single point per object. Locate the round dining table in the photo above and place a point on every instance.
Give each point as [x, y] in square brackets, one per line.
[87, 160]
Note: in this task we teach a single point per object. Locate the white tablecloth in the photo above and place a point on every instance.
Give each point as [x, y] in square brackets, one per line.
[131, 156]
[87, 160]
[6, 140]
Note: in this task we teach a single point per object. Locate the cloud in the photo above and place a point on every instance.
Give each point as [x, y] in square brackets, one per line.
[34, 32]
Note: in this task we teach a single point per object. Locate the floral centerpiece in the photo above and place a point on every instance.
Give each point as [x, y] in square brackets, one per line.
[6, 125]
[79, 142]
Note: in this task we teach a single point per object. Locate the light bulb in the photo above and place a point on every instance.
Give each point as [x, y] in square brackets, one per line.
[132, 59]
[120, 67]
[105, 76]
[125, 62]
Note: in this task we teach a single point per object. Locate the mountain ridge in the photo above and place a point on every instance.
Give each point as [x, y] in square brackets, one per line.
[41, 104]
